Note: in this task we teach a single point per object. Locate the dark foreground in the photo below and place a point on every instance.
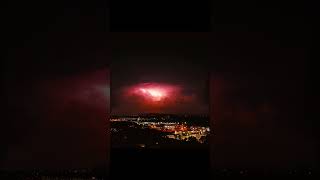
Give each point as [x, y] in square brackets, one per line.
[71, 174]
[159, 163]
[185, 163]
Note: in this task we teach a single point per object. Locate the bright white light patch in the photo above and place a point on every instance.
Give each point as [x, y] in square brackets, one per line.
[156, 94]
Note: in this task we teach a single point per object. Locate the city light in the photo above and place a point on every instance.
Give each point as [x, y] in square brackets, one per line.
[175, 130]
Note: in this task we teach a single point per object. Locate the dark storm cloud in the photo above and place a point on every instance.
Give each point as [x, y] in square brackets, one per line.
[190, 97]
[169, 58]
[130, 99]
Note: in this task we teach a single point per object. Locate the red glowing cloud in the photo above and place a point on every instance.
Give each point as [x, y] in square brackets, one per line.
[157, 97]
[153, 92]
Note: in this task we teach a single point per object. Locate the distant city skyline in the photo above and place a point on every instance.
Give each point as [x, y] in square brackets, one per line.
[146, 113]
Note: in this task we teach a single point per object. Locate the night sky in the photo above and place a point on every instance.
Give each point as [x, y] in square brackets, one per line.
[257, 98]
[182, 86]
[251, 72]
